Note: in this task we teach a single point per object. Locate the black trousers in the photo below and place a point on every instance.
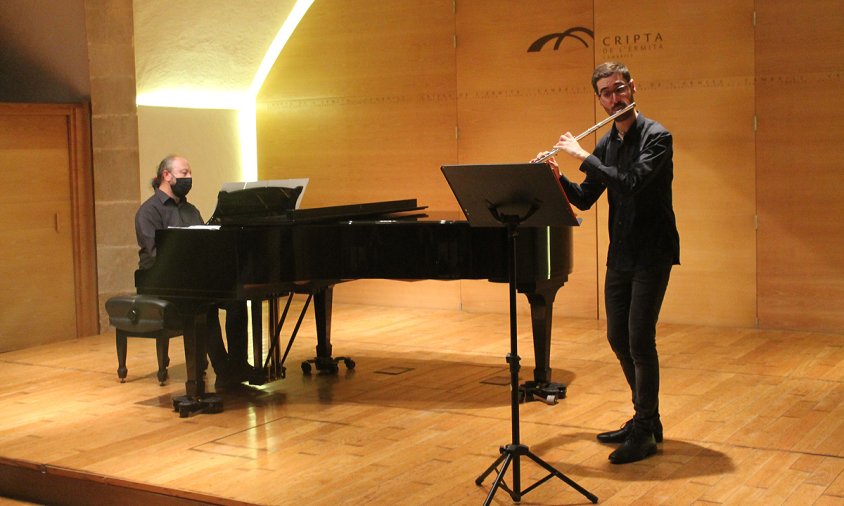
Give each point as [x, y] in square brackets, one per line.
[633, 300]
[237, 336]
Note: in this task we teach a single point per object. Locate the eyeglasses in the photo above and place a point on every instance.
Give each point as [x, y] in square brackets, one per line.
[620, 90]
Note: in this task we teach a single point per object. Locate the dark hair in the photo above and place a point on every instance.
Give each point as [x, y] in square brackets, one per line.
[165, 165]
[607, 69]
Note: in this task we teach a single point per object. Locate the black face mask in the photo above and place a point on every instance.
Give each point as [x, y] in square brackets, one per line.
[182, 186]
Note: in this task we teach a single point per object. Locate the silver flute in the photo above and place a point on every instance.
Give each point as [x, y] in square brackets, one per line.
[587, 132]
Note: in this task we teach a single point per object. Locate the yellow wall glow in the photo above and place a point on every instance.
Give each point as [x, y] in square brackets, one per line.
[241, 101]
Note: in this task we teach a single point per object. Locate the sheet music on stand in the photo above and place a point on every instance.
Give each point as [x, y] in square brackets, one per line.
[269, 183]
[257, 199]
[524, 189]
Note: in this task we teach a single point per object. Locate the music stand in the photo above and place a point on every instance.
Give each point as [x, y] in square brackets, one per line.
[513, 195]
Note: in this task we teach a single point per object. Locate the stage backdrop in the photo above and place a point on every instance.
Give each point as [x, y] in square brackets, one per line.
[370, 98]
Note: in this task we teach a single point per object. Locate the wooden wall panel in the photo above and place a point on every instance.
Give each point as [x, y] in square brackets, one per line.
[799, 51]
[361, 48]
[360, 149]
[693, 65]
[514, 103]
[362, 102]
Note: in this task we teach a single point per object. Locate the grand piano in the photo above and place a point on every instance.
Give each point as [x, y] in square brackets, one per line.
[311, 250]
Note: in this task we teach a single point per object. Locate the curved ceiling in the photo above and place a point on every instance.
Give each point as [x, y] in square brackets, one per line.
[207, 53]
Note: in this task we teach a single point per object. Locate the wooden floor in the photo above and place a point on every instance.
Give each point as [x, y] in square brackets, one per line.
[751, 417]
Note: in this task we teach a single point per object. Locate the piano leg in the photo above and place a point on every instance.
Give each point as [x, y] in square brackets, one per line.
[323, 300]
[195, 330]
[324, 362]
[541, 313]
[259, 377]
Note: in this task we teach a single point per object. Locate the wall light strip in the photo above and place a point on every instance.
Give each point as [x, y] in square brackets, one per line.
[248, 117]
[296, 14]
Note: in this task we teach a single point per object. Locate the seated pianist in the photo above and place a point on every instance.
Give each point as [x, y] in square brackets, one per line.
[169, 207]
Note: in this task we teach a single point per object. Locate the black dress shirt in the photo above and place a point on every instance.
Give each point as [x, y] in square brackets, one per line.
[158, 212]
[637, 172]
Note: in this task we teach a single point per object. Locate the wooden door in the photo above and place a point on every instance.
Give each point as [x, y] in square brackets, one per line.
[38, 268]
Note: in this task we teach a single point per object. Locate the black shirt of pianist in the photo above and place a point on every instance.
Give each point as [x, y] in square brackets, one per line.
[161, 211]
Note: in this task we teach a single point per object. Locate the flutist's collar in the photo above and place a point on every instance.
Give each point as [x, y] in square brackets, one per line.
[621, 127]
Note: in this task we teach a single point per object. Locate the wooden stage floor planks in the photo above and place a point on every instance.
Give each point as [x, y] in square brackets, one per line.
[751, 417]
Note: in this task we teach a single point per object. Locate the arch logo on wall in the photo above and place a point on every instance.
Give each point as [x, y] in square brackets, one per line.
[577, 33]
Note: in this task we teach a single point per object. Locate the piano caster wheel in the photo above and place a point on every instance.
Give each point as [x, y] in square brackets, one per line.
[548, 393]
[213, 405]
[183, 405]
[328, 365]
[549, 399]
[187, 405]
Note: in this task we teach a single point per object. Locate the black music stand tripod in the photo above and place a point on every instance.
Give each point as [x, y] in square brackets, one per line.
[513, 196]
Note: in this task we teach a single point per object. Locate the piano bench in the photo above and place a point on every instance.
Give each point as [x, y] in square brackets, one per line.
[143, 316]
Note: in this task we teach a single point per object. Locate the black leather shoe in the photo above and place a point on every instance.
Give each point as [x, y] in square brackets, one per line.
[638, 445]
[620, 435]
[228, 378]
[225, 380]
[241, 371]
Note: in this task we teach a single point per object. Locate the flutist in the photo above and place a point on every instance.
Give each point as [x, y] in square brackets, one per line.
[634, 163]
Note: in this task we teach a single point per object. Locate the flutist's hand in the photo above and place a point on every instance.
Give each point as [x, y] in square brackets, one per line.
[555, 168]
[542, 155]
[570, 146]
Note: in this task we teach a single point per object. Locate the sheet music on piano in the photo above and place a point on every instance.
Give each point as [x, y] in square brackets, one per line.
[257, 199]
[269, 183]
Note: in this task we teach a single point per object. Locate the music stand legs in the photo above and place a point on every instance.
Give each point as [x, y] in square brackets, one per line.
[512, 453]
